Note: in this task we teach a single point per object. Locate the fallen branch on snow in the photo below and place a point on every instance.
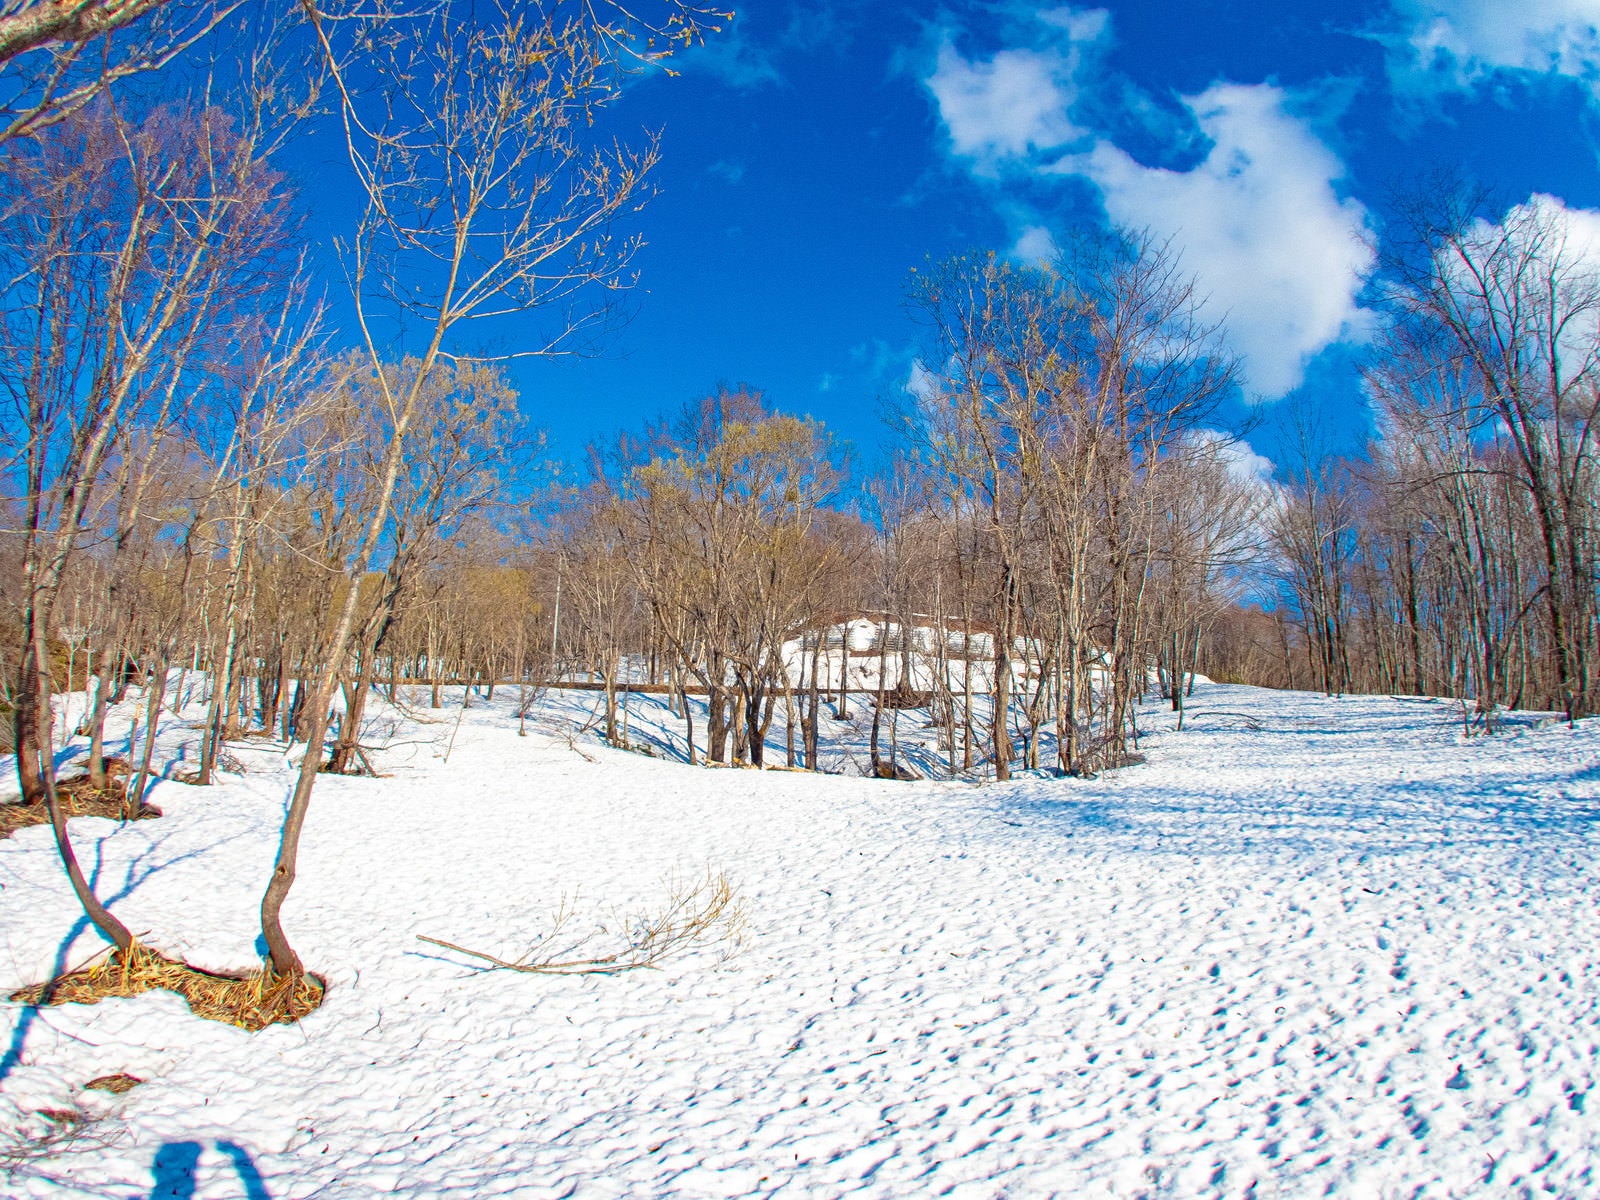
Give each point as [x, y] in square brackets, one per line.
[47, 1132]
[709, 913]
[1252, 723]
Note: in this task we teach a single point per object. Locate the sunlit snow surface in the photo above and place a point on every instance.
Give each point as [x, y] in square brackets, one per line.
[1311, 947]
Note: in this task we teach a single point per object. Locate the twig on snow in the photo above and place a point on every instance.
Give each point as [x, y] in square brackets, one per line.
[708, 913]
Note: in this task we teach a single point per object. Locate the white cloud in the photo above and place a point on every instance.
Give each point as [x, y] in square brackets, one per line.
[1019, 100]
[1242, 461]
[921, 382]
[1035, 245]
[1259, 220]
[1279, 254]
[1581, 227]
[1561, 242]
[1458, 43]
[1540, 235]
[1542, 226]
[1003, 108]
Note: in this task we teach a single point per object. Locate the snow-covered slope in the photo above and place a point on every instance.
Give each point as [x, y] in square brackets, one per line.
[1312, 946]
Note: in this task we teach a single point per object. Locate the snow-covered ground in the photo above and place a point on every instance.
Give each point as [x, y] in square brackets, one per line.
[1311, 947]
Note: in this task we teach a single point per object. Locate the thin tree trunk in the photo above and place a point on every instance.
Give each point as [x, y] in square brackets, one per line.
[107, 924]
[1001, 733]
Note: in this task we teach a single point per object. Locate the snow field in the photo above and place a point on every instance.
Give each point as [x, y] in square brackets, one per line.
[1311, 947]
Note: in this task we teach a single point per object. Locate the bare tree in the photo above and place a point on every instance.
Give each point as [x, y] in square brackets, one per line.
[1518, 303]
[1001, 335]
[463, 444]
[469, 132]
[1208, 534]
[56, 56]
[1059, 400]
[126, 243]
[1314, 527]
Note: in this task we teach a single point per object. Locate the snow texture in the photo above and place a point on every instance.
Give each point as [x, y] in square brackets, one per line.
[1312, 946]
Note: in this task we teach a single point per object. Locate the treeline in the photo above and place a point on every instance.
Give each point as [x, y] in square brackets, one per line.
[1056, 489]
[1462, 557]
[1061, 521]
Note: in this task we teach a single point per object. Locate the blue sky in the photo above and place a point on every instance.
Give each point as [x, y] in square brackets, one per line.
[814, 153]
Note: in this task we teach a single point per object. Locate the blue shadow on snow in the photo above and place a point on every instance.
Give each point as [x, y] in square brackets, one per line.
[175, 1164]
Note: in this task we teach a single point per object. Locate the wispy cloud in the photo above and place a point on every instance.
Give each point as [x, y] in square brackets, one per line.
[728, 172]
[749, 52]
[734, 58]
[1459, 44]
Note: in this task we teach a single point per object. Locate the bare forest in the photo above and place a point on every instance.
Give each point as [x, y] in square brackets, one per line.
[228, 479]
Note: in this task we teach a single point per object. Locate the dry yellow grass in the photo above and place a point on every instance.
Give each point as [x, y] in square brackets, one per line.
[115, 1084]
[79, 798]
[252, 1001]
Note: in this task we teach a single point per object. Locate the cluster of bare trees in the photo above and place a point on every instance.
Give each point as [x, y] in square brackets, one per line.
[690, 560]
[1463, 558]
[1065, 427]
[718, 532]
[223, 497]
[1061, 522]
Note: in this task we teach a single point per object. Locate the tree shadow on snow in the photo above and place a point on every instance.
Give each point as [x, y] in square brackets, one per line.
[136, 874]
[1381, 818]
[1512, 803]
[176, 1162]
